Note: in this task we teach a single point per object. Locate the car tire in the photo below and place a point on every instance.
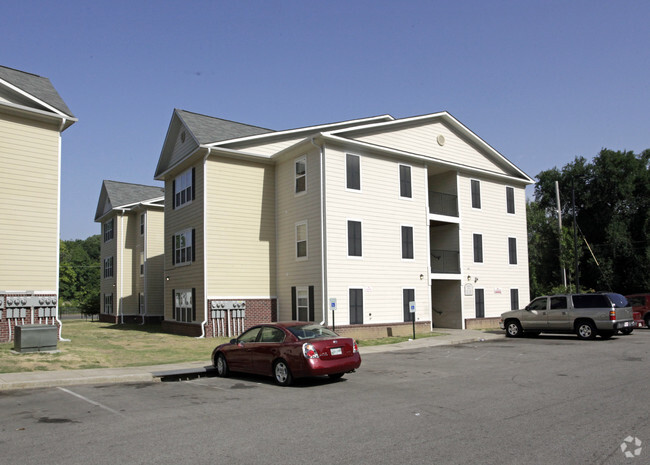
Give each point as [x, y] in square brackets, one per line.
[585, 330]
[626, 331]
[513, 328]
[282, 373]
[222, 366]
[647, 319]
[606, 334]
[336, 375]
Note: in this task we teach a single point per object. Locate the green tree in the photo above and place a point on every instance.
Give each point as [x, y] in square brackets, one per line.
[79, 271]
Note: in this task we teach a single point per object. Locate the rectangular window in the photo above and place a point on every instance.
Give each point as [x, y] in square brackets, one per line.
[408, 295]
[141, 263]
[108, 303]
[302, 304]
[514, 299]
[356, 306]
[183, 188]
[405, 181]
[183, 250]
[479, 302]
[108, 230]
[476, 194]
[510, 199]
[407, 242]
[184, 305]
[353, 171]
[354, 239]
[142, 220]
[108, 267]
[478, 248]
[301, 240]
[301, 175]
[512, 250]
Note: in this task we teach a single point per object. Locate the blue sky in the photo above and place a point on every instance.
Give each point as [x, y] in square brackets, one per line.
[542, 82]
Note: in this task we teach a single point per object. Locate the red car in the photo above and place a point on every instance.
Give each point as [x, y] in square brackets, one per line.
[640, 303]
[288, 350]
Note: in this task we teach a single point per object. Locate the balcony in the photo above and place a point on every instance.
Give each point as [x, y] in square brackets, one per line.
[443, 204]
[445, 261]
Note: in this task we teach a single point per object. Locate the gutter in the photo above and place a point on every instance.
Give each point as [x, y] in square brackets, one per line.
[322, 231]
[205, 246]
[144, 264]
[121, 267]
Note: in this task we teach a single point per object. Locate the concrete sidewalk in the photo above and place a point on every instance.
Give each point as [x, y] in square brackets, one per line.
[40, 379]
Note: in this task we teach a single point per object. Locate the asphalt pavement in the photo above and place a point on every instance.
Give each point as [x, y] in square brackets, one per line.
[41, 379]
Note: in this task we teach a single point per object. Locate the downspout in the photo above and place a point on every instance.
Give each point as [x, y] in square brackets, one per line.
[205, 245]
[121, 267]
[144, 265]
[322, 231]
[58, 239]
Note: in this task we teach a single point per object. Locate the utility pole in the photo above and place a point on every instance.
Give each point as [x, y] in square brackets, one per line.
[575, 234]
[559, 219]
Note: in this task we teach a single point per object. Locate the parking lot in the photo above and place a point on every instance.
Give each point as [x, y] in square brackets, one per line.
[550, 399]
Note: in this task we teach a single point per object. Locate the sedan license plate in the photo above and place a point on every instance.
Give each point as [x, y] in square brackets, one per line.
[336, 351]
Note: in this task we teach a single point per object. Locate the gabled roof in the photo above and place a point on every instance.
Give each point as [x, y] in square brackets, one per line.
[36, 88]
[207, 129]
[118, 195]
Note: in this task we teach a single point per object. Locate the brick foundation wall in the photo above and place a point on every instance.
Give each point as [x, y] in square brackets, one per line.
[482, 323]
[8, 325]
[376, 331]
[108, 318]
[182, 329]
[257, 311]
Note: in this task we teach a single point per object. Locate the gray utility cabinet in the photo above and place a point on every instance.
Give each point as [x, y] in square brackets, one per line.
[35, 338]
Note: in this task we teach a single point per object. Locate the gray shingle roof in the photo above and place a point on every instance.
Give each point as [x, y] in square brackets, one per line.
[208, 129]
[124, 193]
[37, 86]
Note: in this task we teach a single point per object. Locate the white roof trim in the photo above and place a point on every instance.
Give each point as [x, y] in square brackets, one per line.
[31, 97]
[299, 130]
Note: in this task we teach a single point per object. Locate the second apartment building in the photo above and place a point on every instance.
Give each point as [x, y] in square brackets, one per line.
[366, 216]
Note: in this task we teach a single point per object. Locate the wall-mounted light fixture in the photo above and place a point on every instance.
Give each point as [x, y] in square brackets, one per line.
[421, 277]
[166, 278]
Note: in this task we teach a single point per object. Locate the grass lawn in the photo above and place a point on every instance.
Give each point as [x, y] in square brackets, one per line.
[107, 345]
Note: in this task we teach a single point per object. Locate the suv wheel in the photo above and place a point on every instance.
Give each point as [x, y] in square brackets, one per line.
[513, 328]
[585, 330]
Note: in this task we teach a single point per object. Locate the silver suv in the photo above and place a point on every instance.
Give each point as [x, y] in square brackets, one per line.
[586, 315]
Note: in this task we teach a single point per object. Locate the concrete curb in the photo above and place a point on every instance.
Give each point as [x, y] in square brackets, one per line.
[149, 374]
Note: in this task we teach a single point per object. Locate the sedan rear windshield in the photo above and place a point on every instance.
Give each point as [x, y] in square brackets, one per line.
[310, 331]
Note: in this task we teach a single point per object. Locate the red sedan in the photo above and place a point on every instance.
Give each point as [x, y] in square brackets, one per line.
[287, 351]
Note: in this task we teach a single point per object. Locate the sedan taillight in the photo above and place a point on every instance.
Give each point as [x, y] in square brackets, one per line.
[355, 347]
[309, 351]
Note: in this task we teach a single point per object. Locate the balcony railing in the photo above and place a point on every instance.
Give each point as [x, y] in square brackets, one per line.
[445, 261]
[443, 204]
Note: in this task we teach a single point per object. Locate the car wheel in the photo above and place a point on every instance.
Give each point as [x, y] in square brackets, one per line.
[281, 373]
[606, 334]
[336, 375]
[586, 330]
[513, 328]
[626, 331]
[222, 366]
[647, 320]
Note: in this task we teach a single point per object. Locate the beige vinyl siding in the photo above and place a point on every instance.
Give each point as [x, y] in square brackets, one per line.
[240, 228]
[495, 274]
[155, 262]
[420, 138]
[381, 272]
[266, 148]
[182, 149]
[123, 264]
[29, 195]
[188, 216]
[293, 208]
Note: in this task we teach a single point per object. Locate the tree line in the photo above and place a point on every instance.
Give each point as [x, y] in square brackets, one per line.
[79, 267]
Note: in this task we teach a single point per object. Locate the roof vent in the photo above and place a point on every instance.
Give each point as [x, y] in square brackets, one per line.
[441, 140]
[183, 136]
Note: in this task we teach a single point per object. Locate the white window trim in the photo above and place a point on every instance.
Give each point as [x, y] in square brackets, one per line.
[178, 189]
[188, 238]
[480, 194]
[109, 265]
[401, 242]
[514, 202]
[347, 240]
[188, 311]
[295, 176]
[306, 257]
[299, 290]
[112, 230]
[345, 160]
[399, 182]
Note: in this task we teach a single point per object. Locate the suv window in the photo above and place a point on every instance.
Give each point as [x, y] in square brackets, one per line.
[538, 304]
[590, 301]
[558, 303]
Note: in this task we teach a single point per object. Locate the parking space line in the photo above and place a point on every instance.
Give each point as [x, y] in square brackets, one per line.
[91, 401]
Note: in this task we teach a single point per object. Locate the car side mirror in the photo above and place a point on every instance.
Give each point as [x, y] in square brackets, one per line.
[233, 341]
[527, 307]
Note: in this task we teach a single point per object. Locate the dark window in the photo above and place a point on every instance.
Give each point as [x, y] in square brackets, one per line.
[301, 178]
[356, 306]
[249, 336]
[538, 304]
[108, 230]
[514, 299]
[353, 171]
[354, 238]
[591, 301]
[270, 334]
[407, 241]
[408, 295]
[478, 248]
[476, 194]
[558, 303]
[405, 181]
[510, 199]
[512, 250]
[479, 302]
